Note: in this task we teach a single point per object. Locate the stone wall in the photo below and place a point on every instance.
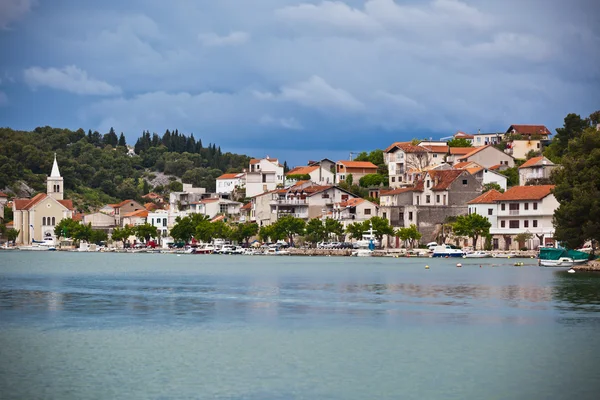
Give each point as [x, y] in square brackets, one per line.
[430, 219]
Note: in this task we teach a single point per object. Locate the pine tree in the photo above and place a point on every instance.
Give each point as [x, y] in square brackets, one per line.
[122, 140]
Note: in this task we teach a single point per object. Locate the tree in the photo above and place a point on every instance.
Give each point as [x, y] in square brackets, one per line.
[221, 230]
[244, 231]
[203, 229]
[288, 226]
[522, 237]
[145, 232]
[409, 234]
[512, 176]
[473, 226]
[111, 138]
[460, 142]
[66, 228]
[12, 234]
[577, 218]
[371, 180]
[176, 186]
[315, 231]
[572, 128]
[333, 227]
[122, 141]
[98, 236]
[268, 232]
[121, 234]
[381, 226]
[492, 185]
[357, 229]
[83, 232]
[349, 179]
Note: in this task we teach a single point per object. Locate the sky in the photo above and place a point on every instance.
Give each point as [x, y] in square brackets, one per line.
[297, 79]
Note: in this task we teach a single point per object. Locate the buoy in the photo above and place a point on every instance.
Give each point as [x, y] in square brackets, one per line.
[571, 271]
[427, 267]
[508, 256]
[480, 266]
[459, 265]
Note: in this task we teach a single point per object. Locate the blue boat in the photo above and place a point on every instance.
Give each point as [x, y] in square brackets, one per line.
[447, 250]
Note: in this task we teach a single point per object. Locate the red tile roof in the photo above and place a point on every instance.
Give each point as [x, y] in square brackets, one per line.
[150, 206]
[20, 204]
[526, 193]
[407, 147]
[495, 167]
[463, 164]
[302, 170]
[461, 150]
[488, 197]
[463, 135]
[67, 203]
[77, 216]
[435, 149]
[2, 194]
[229, 176]
[218, 218]
[474, 170]
[397, 191]
[529, 129]
[121, 204]
[536, 161]
[138, 213]
[444, 178]
[474, 151]
[152, 195]
[351, 202]
[247, 206]
[358, 164]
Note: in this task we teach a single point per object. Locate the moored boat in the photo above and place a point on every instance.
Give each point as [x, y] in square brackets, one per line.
[447, 250]
[477, 254]
[557, 257]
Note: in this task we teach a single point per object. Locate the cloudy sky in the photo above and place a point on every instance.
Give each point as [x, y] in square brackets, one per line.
[297, 79]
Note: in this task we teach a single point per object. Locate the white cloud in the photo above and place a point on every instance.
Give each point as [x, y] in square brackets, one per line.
[286, 123]
[12, 10]
[214, 40]
[3, 99]
[315, 93]
[70, 79]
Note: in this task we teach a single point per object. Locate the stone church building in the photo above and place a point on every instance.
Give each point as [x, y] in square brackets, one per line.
[36, 218]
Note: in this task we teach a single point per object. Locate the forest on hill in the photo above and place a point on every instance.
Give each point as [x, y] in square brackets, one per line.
[97, 168]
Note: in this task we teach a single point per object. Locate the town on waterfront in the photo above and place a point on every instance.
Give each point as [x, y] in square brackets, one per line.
[477, 194]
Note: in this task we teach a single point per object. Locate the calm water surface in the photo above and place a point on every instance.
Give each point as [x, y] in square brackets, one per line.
[153, 326]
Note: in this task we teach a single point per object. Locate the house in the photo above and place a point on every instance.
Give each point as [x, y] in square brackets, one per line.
[263, 175]
[357, 169]
[520, 149]
[226, 183]
[354, 210]
[454, 153]
[529, 130]
[521, 209]
[485, 139]
[402, 157]
[463, 135]
[245, 212]
[160, 220]
[134, 218]
[100, 221]
[214, 206]
[317, 173]
[3, 201]
[154, 197]
[483, 175]
[437, 195]
[122, 208]
[326, 163]
[536, 169]
[437, 153]
[487, 156]
[36, 218]
[485, 205]
[180, 201]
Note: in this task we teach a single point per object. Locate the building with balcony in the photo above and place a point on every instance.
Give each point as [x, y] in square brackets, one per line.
[354, 210]
[214, 206]
[181, 201]
[317, 173]
[357, 169]
[263, 175]
[403, 159]
[227, 183]
[536, 169]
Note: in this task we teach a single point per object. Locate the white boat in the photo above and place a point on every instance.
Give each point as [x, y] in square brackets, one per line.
[504, 255]
[276, 252]
[366, 244]
[561, 262]
[446, 250]
[362, 253]
[476, 254]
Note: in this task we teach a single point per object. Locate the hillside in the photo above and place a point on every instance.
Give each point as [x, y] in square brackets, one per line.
[97, 168]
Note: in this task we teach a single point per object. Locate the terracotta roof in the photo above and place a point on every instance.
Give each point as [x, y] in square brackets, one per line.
[461, 150]
[526, 193]
[536, 161]
[138, 213]
[254, 161]
[77, 217]
[358, 164]
[463, 135]
[444, 178]
[150, 206]
[351, 202]
[463, 164]
[152, 195]
[474, 151]
[66, 203]
[247, 206]
[302, 170]
[495, 167]
[474, 170]
[435, 149]
[2, 194]
[407, 147]
[312, 190]
[19, 204]
[121, 204]
[218, 218]
[488, 197]
[397, 191]
[229, 176]
[26, 204]
[529, 129]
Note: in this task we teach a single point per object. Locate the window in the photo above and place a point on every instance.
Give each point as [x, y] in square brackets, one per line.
[428, 184]
[325, 195]
[384, 215]
[513, 224]
[526, 206]
[526, 224]
[503, 206]
[401, 216]
[465, 182]
[437, 198]
[57, 188]
[490, 211]
[152, 221]
[393, 179]
[535, 206]
[427, 199]
[223, 208]
[344, 197]
[435, 156]
[502, 224]
[444, 199]
[410, 215]
[264, 178]
[534, 223]
[538, 145]
[43, 220]
[495, 244]
[513, 206]
[53, 221]
[367, 211]
[164, 232]
[164, 222]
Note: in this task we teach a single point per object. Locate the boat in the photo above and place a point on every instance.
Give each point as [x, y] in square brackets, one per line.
[274, 251]
[558, 257]
[476, 254]
[447, 250]
[206, 248]
[367, 244]
[504, 255]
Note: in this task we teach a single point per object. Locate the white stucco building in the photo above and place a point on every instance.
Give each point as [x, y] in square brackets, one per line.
[263, 175]
[226, 183]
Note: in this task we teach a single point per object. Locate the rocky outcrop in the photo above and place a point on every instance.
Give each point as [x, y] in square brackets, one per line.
[590, 266]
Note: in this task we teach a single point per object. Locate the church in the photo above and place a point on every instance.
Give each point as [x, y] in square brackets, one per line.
[36, 218]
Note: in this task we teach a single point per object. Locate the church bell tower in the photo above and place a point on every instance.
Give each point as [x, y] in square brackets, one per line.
[54, 182]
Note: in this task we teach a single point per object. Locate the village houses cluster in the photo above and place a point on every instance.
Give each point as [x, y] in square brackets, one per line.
[428, 183]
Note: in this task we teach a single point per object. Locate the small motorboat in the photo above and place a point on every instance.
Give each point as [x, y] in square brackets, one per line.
[476, 254]
[504, 255]
[447, 251]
